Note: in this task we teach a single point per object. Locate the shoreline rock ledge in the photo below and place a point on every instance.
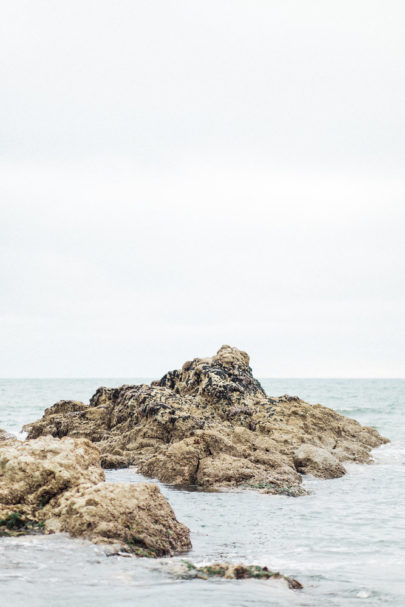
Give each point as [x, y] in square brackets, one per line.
[211, 424]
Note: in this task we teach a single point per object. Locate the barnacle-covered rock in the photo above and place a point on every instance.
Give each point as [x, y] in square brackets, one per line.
[211, 424]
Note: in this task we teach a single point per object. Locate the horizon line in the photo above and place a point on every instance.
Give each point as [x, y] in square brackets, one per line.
[151, 378]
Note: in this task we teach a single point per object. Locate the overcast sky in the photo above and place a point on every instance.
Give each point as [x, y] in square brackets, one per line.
[176, 175]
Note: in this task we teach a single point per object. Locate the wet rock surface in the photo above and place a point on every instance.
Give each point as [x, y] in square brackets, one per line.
[187, 570]
[49, 485]
[211, 424]
[318, 462]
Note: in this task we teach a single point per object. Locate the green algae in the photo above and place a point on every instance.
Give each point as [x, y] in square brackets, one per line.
[15, 524]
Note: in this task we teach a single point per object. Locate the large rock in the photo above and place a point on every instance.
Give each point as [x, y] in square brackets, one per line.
[51, 485]
[209, 424]
[136, 517]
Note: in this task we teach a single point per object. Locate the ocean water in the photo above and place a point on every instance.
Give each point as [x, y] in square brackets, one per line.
[345, 541]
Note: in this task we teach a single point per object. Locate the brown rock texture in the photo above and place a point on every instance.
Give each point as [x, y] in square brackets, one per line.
[318, 462]
[32, 473]
[211, 424]
[51, 485]
[136, 517]
[186, 569]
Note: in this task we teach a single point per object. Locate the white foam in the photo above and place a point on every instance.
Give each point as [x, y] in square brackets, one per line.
[391, 453]
[21, 435]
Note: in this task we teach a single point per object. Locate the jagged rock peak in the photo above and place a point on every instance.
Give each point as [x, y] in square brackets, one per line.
[228, 356]
[225, 377]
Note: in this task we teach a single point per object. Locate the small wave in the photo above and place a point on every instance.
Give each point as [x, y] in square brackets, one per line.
[391, 453]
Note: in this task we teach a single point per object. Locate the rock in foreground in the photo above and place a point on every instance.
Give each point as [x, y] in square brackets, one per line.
[33, 473]
[137, 518]
[49, 485]
[211, 424]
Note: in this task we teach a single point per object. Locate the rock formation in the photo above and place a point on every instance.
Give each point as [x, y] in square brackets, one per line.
[211, 424]
[49, 485]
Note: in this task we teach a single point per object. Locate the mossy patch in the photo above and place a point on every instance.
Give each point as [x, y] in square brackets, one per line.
[137, 546]
[189, 565]
[15, 524]
[266, 487]
[148, 553]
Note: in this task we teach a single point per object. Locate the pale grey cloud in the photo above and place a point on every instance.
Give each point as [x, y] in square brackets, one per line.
[178, 175]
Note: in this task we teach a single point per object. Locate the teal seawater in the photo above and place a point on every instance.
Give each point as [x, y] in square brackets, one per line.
[345, 541]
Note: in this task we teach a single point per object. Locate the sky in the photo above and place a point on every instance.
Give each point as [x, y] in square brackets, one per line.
[178, 175]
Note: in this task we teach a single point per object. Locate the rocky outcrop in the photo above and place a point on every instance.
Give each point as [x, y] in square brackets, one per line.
[211, 424]
[49, 485]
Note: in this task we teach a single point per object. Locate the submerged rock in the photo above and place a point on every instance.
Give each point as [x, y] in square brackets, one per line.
[186, 569]
[49, 485]
[211, 424]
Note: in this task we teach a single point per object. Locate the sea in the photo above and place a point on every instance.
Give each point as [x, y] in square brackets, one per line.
[345, 541]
